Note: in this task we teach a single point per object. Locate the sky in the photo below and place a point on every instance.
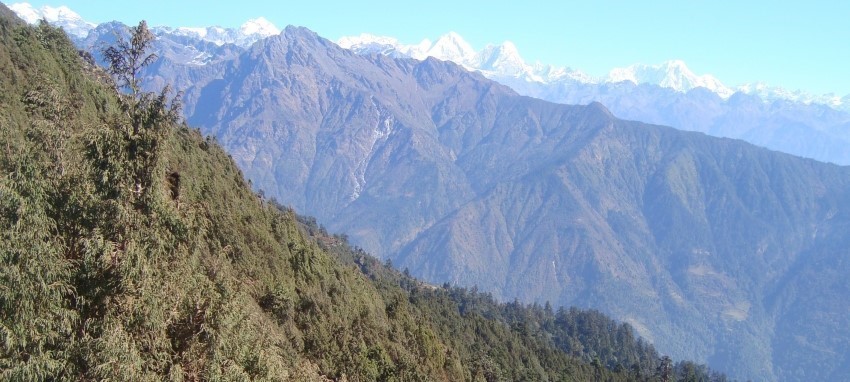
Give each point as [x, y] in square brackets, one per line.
[794, 44]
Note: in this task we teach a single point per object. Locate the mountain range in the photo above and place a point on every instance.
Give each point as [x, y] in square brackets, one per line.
[500, 61]
[78, 29]
[462, 180]
[796, 122]
[504, 60]
[670, 94]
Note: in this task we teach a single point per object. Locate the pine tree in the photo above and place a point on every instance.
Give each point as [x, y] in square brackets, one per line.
[151, 115]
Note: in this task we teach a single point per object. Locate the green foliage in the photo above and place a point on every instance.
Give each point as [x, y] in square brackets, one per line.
[127, 58]
[131, 248]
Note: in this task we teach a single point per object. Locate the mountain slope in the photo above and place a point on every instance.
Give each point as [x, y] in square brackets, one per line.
[462, 180]
[133, 249]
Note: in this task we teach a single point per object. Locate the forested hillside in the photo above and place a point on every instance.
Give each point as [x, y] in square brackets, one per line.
[132, 248]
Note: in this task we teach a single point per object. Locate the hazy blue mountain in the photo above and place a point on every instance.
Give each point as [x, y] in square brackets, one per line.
[669, 94]
[809, 130]
[461, 179]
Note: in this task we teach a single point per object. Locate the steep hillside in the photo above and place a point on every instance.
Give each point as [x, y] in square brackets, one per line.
[132, 248]
[461, 180]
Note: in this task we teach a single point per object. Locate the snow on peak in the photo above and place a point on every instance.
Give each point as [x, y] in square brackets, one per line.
[349, 42]
[26, 12]
[773, 93]
[503, 58]
[673, 74]
[250, 32]
[494, 61]
[61, 16]
[193, 31]
[451, 47]
[371, 44]
[504, 63]
[260, 27]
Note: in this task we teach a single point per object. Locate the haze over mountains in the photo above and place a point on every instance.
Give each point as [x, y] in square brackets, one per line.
[463, 180]
[669, 94]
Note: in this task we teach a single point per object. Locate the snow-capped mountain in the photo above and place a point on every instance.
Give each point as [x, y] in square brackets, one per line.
[453, 48]
[503, 58]
[774, 93]
[62, 16]
[667, 94]
[673, 74]
[504, 63]
[449, 47]
[495, 61]
[248, 33]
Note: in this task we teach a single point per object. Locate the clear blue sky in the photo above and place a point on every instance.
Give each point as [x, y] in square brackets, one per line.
[794, 44]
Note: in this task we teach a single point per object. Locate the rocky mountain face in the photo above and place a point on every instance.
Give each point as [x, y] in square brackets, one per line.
[462, 180]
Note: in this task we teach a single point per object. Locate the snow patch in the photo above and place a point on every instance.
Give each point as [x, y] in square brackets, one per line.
[382, 129]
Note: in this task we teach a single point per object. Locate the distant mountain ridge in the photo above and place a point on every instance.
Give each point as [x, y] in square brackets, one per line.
[670, 94]
[672, 74]
[248, 33]
[78, 28]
